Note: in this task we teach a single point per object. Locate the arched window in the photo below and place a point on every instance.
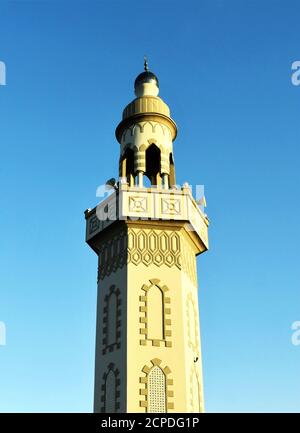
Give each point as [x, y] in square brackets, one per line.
[110, 398]
[127, 166]
[155, 314]
[156, 393]
[112, 319]
[156, 390]
[155, 307]
[153, 164]
[110, 392]
[172, 180]
[147, 182]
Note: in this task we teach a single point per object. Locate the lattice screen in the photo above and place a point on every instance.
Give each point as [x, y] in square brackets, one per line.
[156, 390]
[110, 393]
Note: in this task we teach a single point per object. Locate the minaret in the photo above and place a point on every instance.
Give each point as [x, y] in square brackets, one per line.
[147, 234]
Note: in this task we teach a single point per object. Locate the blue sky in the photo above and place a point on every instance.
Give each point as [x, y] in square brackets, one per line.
[225, 70]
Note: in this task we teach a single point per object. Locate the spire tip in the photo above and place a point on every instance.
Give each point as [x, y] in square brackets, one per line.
[146, 64]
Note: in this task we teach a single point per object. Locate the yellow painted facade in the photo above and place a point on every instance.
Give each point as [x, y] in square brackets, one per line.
[148, 350]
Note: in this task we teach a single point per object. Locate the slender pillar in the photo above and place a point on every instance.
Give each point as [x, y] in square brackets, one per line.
[165, 181]
[140, 179]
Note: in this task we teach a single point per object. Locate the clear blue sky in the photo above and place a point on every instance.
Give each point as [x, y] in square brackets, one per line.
[225, 70]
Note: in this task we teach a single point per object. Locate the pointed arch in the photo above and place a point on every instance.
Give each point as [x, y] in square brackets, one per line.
[110, 392]
[112, 315]
[127, 166]
[172, 180]
[156, 388]
[110, 399]
[157, 396]
[155, 315]
[153, 161]
[155, 302]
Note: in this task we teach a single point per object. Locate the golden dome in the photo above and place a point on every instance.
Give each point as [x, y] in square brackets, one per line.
[146, 104]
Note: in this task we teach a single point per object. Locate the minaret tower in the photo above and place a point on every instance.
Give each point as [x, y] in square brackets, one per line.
[147, 234]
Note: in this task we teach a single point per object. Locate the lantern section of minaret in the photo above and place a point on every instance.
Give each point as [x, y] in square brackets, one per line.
[146, 134]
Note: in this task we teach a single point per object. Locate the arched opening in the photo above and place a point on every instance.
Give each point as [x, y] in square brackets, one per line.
[156, 390]
[172, 178]
[110, 392]
[155, 311]
[127, 166]
[153, 164]
[147, 182]
[112, 319]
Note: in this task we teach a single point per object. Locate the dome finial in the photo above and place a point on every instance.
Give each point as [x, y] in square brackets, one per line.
[146, 64]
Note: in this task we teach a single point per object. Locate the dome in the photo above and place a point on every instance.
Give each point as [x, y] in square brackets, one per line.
[146, 77]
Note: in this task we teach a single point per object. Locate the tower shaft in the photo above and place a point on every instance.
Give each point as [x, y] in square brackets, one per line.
[147, 237]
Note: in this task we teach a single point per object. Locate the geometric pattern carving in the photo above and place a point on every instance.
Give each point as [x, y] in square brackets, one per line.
[156, 388]
[145, 313]
[110, 398]
[112, 255]
[146, 246]
[146, 132]
[156, 247]
[94, 224]
[192, 324]
[170, 206]
[189, 263]
[138, 204]
[112, 321]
